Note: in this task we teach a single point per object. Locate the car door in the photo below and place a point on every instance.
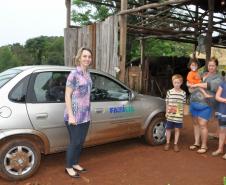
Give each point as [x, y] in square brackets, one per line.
[114, 116]
[46, 106]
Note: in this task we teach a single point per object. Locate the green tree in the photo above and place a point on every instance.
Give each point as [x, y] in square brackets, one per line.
[22, 54]
[40, 50]
[36, 47]
[157, 47]
[46, 50]
[84, 13]
[54, 54]
[7, 59]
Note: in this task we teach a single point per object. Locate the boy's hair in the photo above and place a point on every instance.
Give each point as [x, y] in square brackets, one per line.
[192, 60]
[177, 76]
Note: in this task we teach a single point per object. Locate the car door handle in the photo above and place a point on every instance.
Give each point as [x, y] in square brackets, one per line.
[99, 110]
[41, 115]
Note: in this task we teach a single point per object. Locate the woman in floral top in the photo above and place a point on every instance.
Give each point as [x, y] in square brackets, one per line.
[77, 112]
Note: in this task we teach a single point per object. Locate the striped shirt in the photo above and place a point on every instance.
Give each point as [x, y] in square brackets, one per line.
[175, 101]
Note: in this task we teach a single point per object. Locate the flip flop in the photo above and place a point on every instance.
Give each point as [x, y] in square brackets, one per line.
[224, 156]
[194, 147]
[216, 153]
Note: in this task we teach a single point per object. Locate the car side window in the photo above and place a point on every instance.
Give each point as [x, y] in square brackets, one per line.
[48, 87]
[18, 93]
[106, 89]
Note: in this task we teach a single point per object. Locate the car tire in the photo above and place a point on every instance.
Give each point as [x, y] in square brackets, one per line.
[19, 159]
[155, 133]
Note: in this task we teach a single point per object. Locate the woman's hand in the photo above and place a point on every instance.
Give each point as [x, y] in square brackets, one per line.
[68, 101]
[71, 120]
[194, 85]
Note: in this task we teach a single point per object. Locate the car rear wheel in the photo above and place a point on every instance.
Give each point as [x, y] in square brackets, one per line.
[155, 133]
[19, 159]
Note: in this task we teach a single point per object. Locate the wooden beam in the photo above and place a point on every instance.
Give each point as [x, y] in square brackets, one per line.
[171, 39]
[202, 14]
[196, 30]
[210, 30]
[123, 39]
[162, 30]
[68, 7]
[101, 3]
[190, 13]
[152, 5]
[150, 17]
[110, 5]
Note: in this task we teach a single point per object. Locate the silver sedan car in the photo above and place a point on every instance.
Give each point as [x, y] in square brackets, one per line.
[31, 116]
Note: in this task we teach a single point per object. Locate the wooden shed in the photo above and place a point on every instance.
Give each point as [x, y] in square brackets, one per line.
[179, 20]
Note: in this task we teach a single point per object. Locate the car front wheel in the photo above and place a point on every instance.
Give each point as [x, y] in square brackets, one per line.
[155, 133]
[19, 159]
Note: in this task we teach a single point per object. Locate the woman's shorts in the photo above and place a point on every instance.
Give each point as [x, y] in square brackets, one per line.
[200, 110]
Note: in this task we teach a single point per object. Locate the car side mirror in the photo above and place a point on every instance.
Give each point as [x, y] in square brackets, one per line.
[131, 95]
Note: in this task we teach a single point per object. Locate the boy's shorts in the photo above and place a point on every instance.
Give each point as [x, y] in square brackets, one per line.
[200, 110]
[172, 125]
[222, 124]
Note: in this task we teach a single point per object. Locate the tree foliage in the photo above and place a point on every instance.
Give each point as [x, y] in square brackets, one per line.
[40, 50]
[157, 48]
[85, 13]
[7, 58]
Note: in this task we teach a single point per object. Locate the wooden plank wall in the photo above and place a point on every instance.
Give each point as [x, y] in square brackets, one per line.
[74, 38]
[101, 37]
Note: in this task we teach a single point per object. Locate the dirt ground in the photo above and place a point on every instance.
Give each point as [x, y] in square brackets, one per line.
[132, 162]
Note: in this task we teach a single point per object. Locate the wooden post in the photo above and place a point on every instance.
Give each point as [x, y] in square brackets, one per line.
[94, 40]
[142, 66]
[122, 46]
[196, 30]
[210, 30]
[68, 6]
[141, 51]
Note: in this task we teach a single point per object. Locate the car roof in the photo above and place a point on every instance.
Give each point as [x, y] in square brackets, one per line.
[57, 67]
[40, 67]
[51, 67]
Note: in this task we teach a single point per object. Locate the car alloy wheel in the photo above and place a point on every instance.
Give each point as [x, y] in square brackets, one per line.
[19, 159]
[155, 133]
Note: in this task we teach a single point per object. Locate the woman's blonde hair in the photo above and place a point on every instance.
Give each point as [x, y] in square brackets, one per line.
[76, 57]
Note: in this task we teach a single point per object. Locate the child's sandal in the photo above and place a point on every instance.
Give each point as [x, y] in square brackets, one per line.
[194, 147]
[202, 150]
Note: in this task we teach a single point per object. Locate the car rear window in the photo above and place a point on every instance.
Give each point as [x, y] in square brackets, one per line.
[7, 75]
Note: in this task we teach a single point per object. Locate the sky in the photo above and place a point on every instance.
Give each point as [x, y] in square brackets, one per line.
[21, 20]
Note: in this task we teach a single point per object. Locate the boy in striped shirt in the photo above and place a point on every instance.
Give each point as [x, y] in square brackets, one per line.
[175, 100]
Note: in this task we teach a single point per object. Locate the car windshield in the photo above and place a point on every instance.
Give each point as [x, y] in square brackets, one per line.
[7, 75]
